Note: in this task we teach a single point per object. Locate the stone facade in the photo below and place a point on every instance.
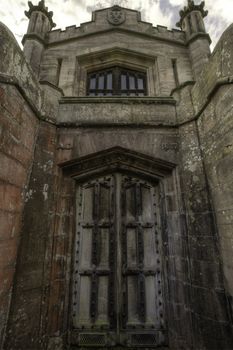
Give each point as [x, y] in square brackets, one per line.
[54, 137]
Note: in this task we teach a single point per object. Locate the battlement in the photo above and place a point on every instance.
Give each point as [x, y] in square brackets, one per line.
[128, 20]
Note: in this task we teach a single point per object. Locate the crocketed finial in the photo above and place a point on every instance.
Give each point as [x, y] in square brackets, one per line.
[191, 7]
[42, 8]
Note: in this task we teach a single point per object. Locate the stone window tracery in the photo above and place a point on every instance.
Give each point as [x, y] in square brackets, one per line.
[116, 81]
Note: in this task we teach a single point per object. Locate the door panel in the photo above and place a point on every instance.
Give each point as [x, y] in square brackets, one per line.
[141, 263]
[94, 256]
[117, 293]
[131, 237]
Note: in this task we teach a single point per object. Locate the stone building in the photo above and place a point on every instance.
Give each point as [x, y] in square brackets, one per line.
[116, 200]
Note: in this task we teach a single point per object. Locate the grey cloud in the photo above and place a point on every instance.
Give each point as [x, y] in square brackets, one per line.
[215, 26]
[169, 10]
[90, 9]
[80, 3]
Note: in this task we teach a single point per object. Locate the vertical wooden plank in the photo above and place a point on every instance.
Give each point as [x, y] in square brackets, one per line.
[132, 291]
[83, 315]
[104, 202]
[146, 203]
[150, 300]
[102, 311]
[130, 203]
[118, 223]
[103, 248]
[94, 296]
[87, 203]
[95, 228]
[149, 248]
[112, 257]
[85, 248]
[141, 297]
[131, 247]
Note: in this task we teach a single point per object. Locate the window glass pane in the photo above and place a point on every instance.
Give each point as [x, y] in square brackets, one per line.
[109, 81]
[116, 80]
[123, 82]
[92, 83]
[140, 84]
[101, 82]
[132, 82]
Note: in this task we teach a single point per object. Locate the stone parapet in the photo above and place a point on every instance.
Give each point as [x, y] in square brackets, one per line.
[117, 111]
[100, 23]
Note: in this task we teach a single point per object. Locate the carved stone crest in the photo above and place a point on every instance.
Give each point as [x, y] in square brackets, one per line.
[116, 15]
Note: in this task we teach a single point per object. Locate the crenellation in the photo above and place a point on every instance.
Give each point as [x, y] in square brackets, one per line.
[70, 28]
[162, 29]
[99, 23]
[59, 35]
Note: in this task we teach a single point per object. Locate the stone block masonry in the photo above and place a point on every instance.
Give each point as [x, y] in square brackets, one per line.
[139, 176]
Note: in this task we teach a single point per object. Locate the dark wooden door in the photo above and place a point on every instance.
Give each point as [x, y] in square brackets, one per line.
[117, 293]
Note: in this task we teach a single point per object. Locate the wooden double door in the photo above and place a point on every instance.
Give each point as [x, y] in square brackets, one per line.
[117, 282]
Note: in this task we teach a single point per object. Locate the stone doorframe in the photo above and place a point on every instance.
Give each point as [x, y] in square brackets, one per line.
[119, 159]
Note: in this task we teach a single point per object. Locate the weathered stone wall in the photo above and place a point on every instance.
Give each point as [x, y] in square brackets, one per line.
[117, 111]
[162, 52]
[207, 300]
[18, 131]
[216, 123]
[199, 49]
[98, 36]
[215, 127]
[27, 318]
[78, 142]
[206, 156]
[216, 141]
[22, 106]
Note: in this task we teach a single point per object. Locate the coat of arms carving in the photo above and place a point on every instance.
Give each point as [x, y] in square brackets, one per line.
[116, 15]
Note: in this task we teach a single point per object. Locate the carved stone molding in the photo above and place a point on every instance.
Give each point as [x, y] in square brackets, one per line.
[116, 158]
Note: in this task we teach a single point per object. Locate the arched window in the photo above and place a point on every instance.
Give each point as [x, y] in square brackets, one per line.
[116, 81]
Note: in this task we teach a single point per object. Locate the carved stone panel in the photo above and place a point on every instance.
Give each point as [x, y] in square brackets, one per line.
[116, 15]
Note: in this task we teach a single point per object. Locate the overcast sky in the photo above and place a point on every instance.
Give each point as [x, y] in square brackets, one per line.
[163, 12]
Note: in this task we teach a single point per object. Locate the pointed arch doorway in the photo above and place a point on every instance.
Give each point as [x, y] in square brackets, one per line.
[118, 282]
